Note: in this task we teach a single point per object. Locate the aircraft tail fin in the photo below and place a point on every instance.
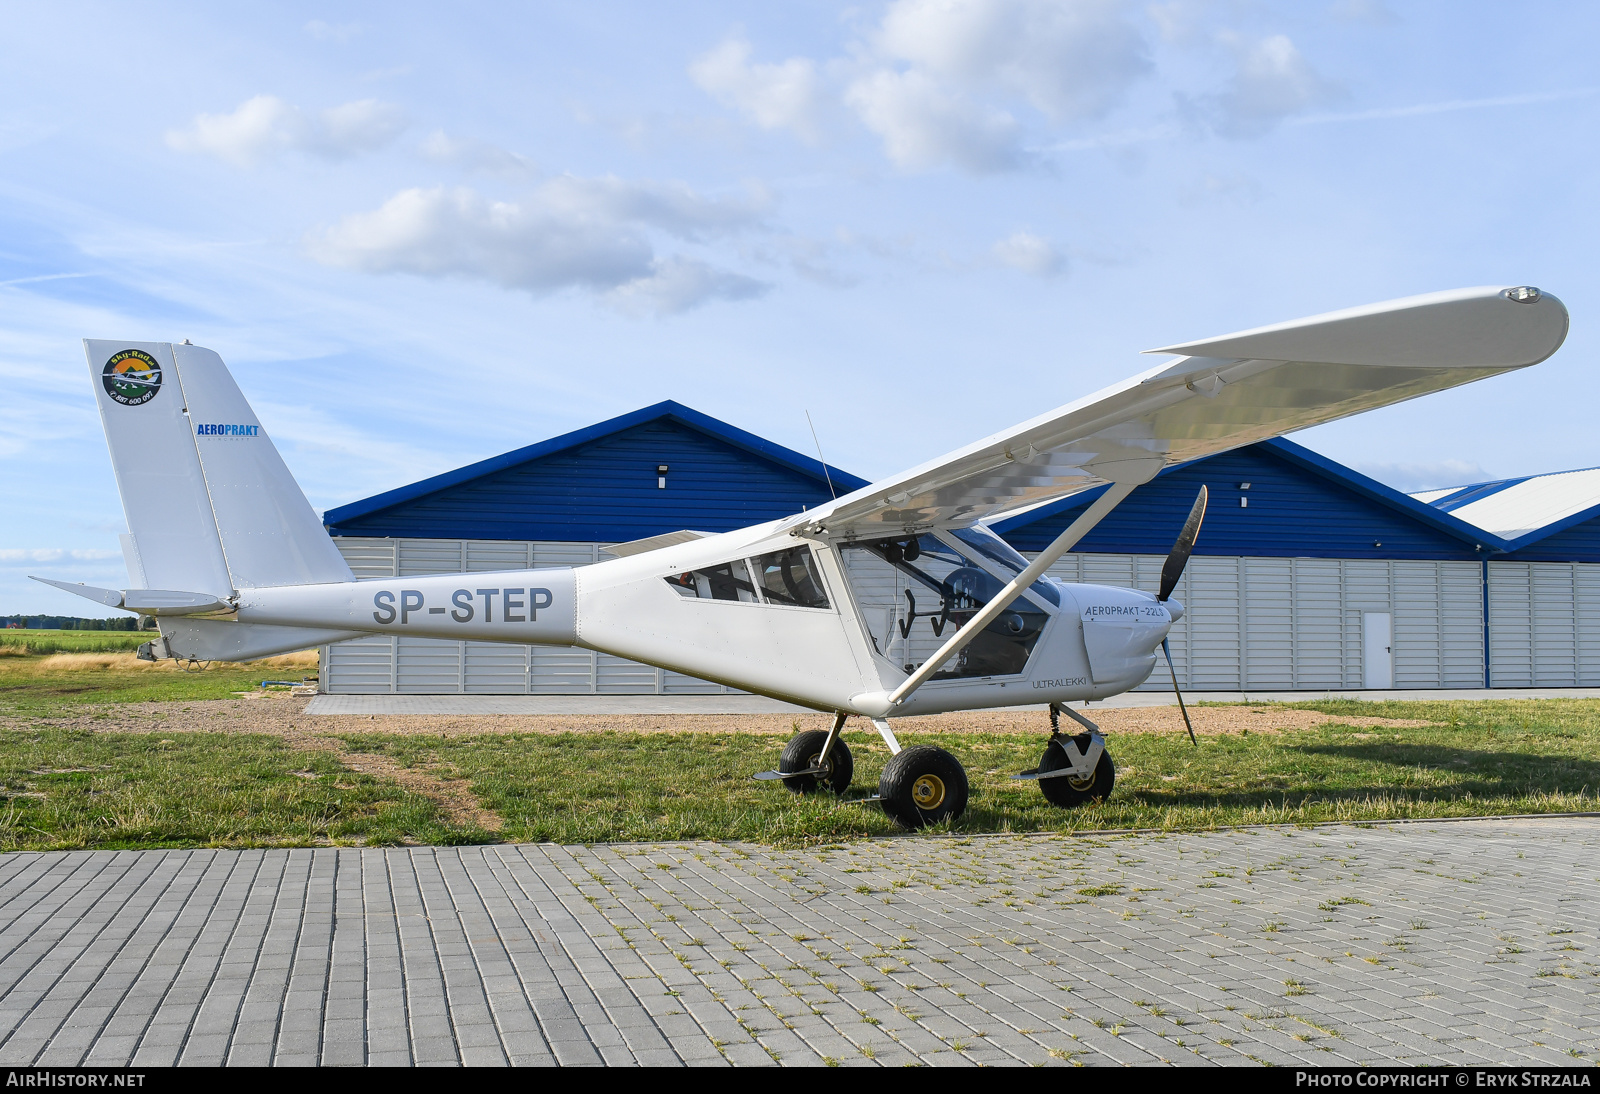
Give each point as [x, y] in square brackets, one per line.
[211, 506]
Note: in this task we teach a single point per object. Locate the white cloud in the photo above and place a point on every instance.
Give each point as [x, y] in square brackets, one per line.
[474, 155]
[924, 125]
[592, 234]
[672, 208]
[1428, 475]
[333, 32]
[54, 554]
[1029, 253]
[1272, 80]
[362, 126]
[774, 96]
[266, 126]
[1070, 60]
[678, 284]
[938, 80]
[1177, 20]
[1375, 12]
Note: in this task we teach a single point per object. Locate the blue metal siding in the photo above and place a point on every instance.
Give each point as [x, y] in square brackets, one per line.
[605, 490]
[1293, 513]
[1579, 543]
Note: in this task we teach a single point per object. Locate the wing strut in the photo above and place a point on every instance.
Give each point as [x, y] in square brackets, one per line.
[1063, 543]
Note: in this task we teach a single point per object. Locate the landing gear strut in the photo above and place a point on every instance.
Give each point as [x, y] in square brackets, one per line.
[815, 760]
[919, 786]
[1073, 770]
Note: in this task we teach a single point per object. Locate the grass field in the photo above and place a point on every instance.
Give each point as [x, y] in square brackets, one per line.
[1486, 758]
[56, 683]
[20, 641]
[71, 788]
[77, 789]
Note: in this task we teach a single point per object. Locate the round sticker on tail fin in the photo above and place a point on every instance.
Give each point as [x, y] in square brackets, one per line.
[132, 377]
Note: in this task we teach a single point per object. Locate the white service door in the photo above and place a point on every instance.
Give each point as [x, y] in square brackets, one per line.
[1377, 651]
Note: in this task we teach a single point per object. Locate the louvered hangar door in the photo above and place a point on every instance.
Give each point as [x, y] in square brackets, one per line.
[1317, 600]
[1544, 624]
[426, 666]
[1586, 583]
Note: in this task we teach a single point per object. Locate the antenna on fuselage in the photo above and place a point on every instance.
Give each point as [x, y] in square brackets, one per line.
[820, 460]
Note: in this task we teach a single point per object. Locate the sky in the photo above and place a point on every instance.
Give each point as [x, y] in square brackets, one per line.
[422, 235]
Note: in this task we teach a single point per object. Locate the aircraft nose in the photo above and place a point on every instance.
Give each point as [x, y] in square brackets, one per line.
[1176, 608]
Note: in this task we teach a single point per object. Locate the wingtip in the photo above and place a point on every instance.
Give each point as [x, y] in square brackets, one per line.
[1451, 326]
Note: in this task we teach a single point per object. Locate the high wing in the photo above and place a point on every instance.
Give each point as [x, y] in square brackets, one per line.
[1226, 392]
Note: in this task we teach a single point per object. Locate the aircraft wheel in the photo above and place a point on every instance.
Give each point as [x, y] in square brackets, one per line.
[802, 752]
[923, 785]
[1069, 790]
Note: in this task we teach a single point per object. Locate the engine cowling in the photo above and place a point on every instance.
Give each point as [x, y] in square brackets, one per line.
[1122, 629]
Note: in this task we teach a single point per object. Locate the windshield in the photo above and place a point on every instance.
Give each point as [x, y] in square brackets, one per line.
[915, 593]
[997, 550]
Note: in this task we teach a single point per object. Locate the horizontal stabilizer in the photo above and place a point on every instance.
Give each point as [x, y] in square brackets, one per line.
[111, 598]
[147, 601]
[655, 543]
[172, 602]
[226, 640]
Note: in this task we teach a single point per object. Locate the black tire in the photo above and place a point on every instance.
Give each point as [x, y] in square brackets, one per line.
[922, 786]
[1068, 791]
[802, 752]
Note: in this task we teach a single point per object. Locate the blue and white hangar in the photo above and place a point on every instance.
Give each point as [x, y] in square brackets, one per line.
[1307, 576]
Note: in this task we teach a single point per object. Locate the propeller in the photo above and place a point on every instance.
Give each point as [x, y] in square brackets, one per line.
[1171, 571]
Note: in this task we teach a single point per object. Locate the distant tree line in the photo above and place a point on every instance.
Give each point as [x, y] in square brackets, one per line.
[74, 623]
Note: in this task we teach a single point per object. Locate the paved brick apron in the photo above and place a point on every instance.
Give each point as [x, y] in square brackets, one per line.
[1472, 942]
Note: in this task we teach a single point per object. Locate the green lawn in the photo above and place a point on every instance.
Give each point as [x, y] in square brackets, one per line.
[66, 790]
[1488, 758]
[33, 687]
[72, 641]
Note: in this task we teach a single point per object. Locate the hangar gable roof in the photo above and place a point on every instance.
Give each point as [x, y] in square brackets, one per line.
[1298, 504]
[1526, 510]
[600, 484]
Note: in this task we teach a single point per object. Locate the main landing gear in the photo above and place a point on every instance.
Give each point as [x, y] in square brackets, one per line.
[919, 786]
[1073, 770]
[924, 785]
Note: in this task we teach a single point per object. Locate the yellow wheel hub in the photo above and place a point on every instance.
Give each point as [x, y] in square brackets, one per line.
[928, 792]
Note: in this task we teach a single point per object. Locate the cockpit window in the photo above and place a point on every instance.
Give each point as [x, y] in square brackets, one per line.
[790, 577]
[997, 550]
[783, 577]
[916, 592]
[729, 581]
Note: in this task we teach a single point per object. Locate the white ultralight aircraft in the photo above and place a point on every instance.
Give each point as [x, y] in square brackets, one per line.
[225, 552]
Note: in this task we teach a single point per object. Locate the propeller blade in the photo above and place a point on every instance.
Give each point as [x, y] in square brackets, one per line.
[1178, 558]
[1166, 649]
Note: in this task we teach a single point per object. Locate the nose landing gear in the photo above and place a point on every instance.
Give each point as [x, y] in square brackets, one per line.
[813, 761]
[1073, 770]
[809, 765]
